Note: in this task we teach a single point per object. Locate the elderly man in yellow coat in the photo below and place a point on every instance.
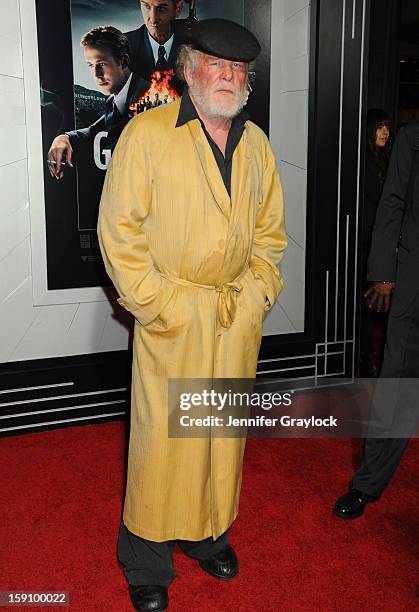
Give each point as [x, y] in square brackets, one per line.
[191, 230]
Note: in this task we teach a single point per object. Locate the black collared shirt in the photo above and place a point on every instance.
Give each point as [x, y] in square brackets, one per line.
[188, 112]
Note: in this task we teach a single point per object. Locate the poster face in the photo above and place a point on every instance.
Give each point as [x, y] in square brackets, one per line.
[101, 63]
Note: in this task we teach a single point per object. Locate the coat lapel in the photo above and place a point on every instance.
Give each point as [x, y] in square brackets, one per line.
[210, 168]
[147, 52]
[173, 52]
[137, 89]
[240, 179]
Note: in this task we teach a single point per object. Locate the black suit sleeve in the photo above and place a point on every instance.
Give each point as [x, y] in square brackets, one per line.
[84, 136]
[383, 255]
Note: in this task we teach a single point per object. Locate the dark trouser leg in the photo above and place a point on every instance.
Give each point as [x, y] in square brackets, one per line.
[372, 334]
[394, 410]
[366, 342]
[145, 562]
[204, 548]
[382, 456]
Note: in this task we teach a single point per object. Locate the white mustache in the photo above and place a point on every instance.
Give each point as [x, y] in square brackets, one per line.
[234, 91]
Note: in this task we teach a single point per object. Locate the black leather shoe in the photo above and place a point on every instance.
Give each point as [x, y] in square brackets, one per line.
[223, 565]
[149, 598]
[352, 504]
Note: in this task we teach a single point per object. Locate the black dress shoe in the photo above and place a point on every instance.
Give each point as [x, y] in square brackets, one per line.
[223, 565]
[352, 504]
[149, 598]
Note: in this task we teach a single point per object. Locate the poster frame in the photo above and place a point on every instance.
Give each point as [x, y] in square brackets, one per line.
[42, 294]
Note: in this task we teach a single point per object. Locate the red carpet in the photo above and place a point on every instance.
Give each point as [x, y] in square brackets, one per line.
[62, 497]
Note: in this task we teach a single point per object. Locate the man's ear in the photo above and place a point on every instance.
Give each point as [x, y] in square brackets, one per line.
[125, 61]
[179, 7]
[188, 74]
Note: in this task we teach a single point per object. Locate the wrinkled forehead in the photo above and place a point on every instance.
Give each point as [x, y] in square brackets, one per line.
[206, 58]
[169, 5]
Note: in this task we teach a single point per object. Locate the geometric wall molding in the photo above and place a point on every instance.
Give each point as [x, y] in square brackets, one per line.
[50, 393]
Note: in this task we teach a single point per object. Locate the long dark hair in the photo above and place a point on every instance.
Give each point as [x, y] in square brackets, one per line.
[381, 155]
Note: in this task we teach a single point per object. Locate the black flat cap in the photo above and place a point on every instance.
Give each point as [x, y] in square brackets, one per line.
[225, 39]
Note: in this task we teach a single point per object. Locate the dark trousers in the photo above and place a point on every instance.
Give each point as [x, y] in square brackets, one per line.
[395, 404]
[371, 342]
[381, 458]
[151, 563]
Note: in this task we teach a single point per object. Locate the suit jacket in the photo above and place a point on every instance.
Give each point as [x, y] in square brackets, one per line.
[394, 252]
[108, 122]
[142, 58]
[373, 188]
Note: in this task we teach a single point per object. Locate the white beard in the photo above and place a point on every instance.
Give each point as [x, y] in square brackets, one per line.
[214, 109]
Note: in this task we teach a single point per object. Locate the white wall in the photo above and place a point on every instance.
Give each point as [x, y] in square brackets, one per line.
[289, 136]
[62, 329]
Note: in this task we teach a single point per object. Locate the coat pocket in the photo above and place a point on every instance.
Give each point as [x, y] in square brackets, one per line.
[253, 299]
[163, 320]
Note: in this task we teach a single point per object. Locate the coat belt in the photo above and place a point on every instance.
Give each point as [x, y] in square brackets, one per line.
[227, 295]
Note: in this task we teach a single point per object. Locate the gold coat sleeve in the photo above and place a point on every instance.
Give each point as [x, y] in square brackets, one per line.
[124, 207]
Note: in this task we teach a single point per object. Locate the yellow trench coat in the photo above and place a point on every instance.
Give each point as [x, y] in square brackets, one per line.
[166, 218]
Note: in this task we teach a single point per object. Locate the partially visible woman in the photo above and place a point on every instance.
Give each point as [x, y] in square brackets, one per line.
[373, 323]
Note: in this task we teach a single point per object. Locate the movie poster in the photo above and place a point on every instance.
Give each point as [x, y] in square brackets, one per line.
[90, 90]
